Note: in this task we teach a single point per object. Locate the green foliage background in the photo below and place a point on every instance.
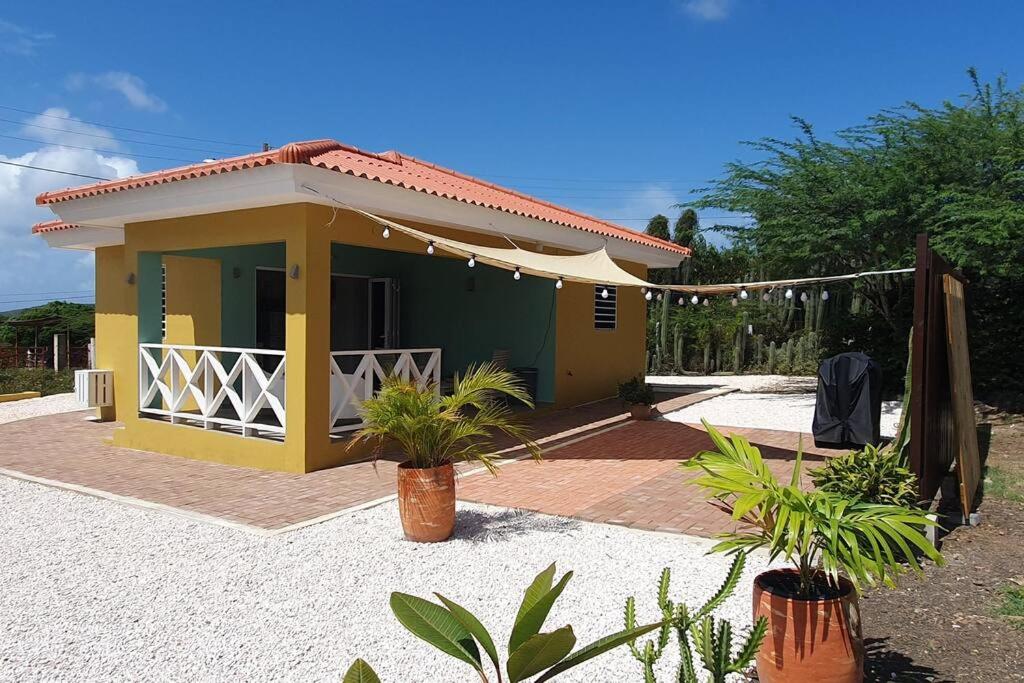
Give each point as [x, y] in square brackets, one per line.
[78, 318]
[855, 202]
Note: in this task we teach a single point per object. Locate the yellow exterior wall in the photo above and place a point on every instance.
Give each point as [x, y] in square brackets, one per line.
[589, 362]
[193, 300]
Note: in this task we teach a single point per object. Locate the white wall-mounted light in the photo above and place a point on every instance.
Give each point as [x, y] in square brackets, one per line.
[293, 272]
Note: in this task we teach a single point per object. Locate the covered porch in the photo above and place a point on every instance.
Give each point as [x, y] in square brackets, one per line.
[276, 343]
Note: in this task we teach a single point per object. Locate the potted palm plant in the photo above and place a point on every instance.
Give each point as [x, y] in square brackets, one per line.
[638, 397]
[835, 544]
[435, 431]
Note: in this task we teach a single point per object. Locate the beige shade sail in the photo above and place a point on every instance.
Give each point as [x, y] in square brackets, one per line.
[595, 267]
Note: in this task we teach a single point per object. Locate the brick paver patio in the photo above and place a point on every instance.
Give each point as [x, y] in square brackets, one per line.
[601, 467]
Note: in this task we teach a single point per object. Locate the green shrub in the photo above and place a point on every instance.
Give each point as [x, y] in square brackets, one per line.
[635, 391]
[45, 381]
[870, 475]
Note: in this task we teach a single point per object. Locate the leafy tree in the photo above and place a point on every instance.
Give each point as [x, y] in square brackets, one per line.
[658, 227]
[686, 228]
[857, 201]
[79, 319]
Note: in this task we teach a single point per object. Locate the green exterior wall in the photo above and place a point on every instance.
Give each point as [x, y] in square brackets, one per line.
[468, 313]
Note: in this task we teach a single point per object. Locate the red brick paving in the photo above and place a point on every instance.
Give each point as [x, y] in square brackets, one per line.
[611, 471]
[629, 476]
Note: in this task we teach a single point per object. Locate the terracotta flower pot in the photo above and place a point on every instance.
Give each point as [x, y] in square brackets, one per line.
[426, 502]
[640, 411]
[808, 640]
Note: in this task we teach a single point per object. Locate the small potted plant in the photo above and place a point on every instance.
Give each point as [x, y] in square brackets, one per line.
[835, 543]
[638, 397]
[434, 432]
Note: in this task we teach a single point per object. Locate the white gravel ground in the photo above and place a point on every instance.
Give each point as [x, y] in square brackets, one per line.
[790, 412]
[746, 383]
[94, 590]
[36, 407]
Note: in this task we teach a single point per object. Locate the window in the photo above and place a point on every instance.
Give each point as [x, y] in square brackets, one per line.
[163, 301]
[604, 307]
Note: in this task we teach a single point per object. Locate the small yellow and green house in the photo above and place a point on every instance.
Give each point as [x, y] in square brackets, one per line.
[245, 306]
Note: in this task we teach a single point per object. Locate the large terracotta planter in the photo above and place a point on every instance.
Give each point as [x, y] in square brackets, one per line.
[808, 640]
[640, 411]
[426, 502]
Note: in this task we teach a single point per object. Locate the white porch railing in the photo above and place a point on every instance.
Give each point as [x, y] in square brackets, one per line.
[214, 386]
[354, 375]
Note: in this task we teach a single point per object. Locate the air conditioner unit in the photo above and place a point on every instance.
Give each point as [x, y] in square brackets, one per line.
[94, 388]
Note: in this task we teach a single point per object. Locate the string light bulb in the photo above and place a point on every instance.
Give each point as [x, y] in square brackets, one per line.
[706, 302]
[430, 247]
[648, 296]
[472, 261]
[659, 296]
[767, 295]
[604, 293]
[789, 293]
[694, 300]
[824, 295]
[517, 275]
[804, 297]
[386, 233]
[558, 284]
[682, 300]
[743, 294]
[735, 302]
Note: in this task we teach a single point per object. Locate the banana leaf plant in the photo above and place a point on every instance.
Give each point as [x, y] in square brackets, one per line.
[455, 631]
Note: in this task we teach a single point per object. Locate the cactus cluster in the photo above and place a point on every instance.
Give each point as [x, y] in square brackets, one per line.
[698, 630]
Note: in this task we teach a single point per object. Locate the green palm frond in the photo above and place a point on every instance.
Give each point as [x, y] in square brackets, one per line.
[818, 531]
[433, 430]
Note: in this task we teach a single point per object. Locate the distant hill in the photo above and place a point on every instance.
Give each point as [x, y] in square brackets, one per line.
[78, 319]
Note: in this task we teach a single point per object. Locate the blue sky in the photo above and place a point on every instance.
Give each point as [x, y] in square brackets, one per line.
[614, 108]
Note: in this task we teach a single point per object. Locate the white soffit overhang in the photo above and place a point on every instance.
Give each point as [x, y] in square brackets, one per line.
[283, 184]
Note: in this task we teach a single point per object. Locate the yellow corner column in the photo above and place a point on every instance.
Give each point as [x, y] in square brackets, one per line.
[308, 346]
[116, 327]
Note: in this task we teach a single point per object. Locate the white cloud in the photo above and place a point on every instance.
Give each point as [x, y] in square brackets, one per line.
[130, 86]
[27, 266]
[21, 41]
[56, 126]
[708, 10]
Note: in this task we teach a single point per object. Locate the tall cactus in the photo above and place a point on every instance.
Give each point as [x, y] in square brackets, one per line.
[677, 349]
[772, 359]
[707, 357]
[697, 630]
[666, 302]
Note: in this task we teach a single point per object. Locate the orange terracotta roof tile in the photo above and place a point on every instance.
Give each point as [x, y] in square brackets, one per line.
[52, 226]
[392, 168]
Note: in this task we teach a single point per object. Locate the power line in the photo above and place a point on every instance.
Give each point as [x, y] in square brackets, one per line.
[97, 149]
[131, 130]
[60, 291]
[53, 170]
[61, 298]
[110, 137]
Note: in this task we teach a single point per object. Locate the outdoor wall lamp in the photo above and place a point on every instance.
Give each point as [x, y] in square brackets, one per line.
[130, 279]
[293, 272]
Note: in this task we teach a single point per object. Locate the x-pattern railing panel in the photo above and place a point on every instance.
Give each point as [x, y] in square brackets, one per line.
[167, 374]
[350, 389]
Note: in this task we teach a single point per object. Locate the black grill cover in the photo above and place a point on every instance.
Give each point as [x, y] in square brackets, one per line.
[848, 411]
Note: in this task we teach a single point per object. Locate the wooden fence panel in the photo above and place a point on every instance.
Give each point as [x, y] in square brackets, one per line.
[959, 362]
